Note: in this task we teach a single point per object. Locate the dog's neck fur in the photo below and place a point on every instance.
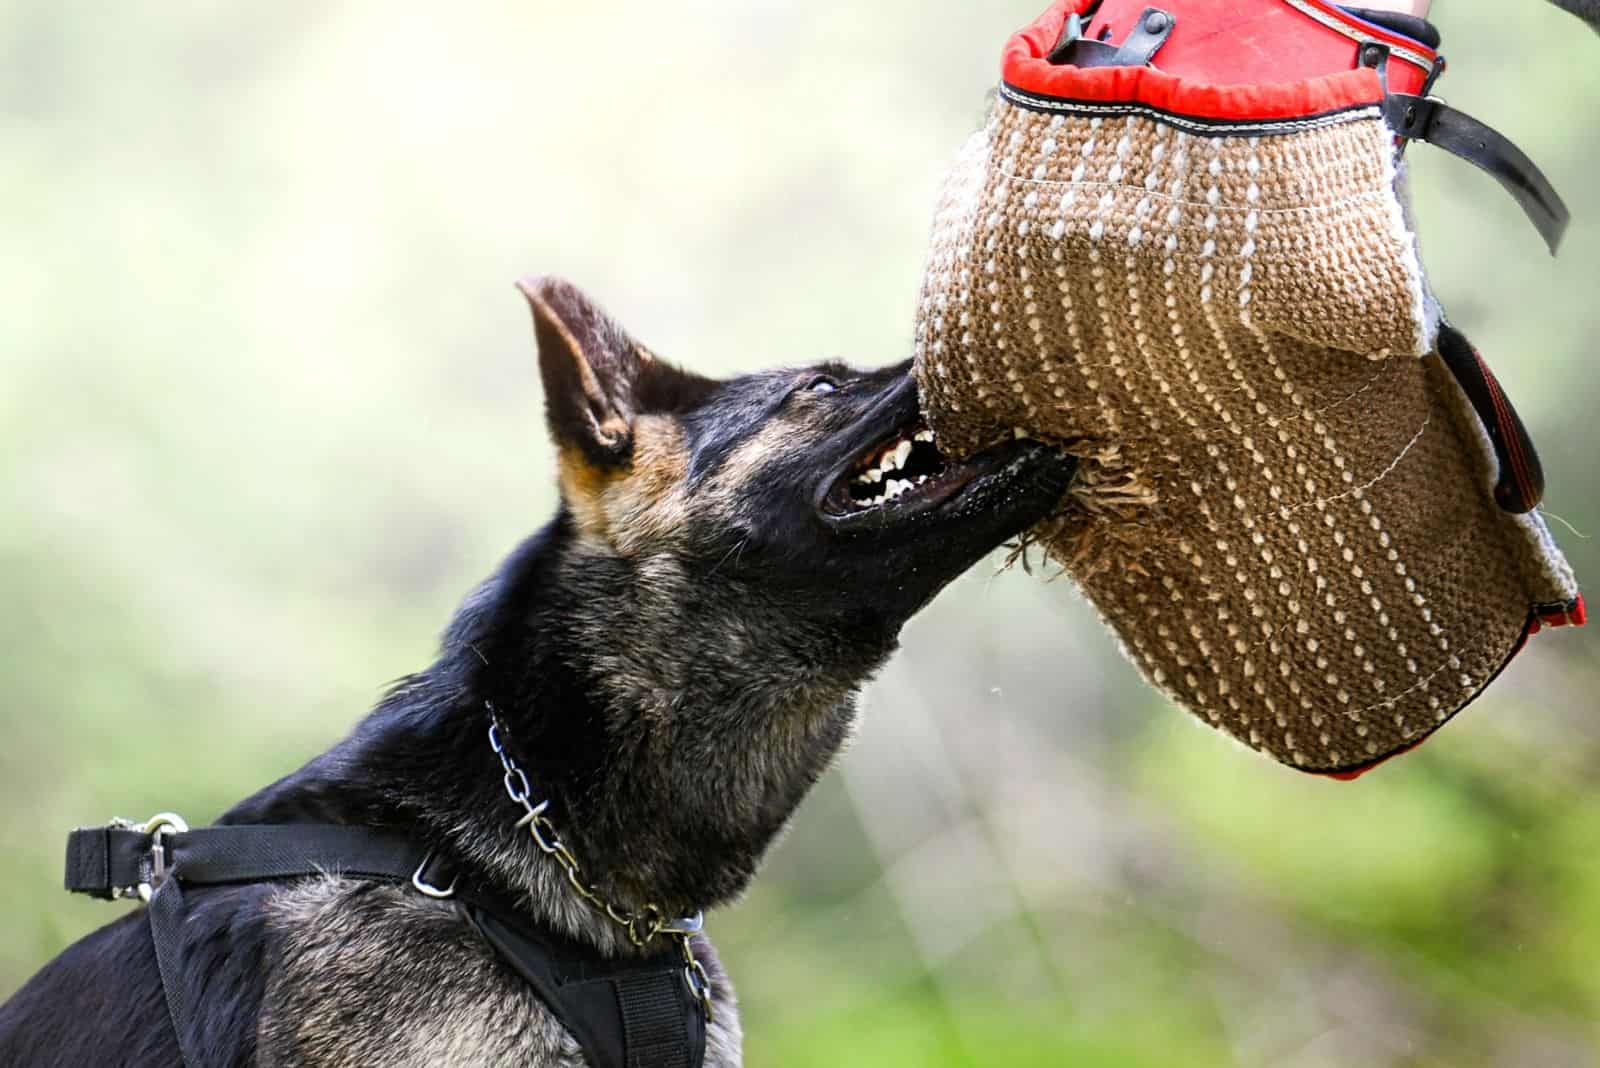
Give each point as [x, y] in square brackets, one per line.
[673, 729]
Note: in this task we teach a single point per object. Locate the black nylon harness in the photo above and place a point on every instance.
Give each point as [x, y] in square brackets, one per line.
[637, 1013]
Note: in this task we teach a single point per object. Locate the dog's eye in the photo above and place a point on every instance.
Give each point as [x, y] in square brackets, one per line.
[821, 384]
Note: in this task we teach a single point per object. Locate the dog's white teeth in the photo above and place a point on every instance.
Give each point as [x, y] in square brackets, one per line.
[891, 460]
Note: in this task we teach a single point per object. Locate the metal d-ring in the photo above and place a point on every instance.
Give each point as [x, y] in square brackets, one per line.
[428, 889]
[157, 826]
[686, 925]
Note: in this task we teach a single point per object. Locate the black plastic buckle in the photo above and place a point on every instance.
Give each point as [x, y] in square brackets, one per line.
[122, 858]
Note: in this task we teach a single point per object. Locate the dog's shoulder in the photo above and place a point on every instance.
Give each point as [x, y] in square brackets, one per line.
[368, 974]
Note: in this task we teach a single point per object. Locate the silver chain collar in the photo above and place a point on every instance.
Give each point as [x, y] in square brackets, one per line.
[641, 926]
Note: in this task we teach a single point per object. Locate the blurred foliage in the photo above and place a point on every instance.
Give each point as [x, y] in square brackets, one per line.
[267, 409]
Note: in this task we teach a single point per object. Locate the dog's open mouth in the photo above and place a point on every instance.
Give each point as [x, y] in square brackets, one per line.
[899, 477]
[901, 465]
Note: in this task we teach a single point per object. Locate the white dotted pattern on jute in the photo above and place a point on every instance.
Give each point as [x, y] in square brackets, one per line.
[1238, 321]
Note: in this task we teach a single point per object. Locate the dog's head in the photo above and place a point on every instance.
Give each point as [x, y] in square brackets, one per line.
[819, 482]
[732, 560]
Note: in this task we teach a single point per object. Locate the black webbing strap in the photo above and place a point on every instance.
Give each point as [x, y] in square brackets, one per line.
[661, 1025]
[624, 1013]
[1426, 118]
[107, 862]
[653, 1017]
[166, 931]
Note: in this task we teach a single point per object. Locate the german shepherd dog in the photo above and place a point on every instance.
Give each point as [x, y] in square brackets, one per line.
[676, 655]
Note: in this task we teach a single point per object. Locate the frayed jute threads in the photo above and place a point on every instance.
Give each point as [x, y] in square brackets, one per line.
[1111, 513]
[1284, 510]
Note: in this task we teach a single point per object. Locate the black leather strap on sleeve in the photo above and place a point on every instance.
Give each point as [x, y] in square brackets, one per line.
[1426, 118]
[1137, 50]
[1519, 484]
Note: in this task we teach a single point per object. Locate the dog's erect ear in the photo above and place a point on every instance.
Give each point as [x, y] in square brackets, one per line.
[591, 370]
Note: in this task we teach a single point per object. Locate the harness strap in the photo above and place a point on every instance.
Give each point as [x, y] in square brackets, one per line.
[651, 1013]
[660, 1028]
[110, 862]
[166, 931]
[623, 1013]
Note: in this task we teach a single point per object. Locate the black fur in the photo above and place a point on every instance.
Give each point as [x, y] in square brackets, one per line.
[676, 655]
[1587, 10]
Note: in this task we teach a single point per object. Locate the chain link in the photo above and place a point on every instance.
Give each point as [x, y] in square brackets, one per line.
[641, 926]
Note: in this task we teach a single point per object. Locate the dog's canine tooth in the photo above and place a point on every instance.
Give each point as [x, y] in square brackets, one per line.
[889, 459]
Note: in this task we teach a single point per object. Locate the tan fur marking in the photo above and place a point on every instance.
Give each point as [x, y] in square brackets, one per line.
[637, 506]
[583, 488]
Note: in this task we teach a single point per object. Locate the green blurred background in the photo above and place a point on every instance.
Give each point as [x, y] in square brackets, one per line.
[268, 407]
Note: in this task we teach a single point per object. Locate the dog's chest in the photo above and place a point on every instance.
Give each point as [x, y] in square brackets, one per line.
[374, 975]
